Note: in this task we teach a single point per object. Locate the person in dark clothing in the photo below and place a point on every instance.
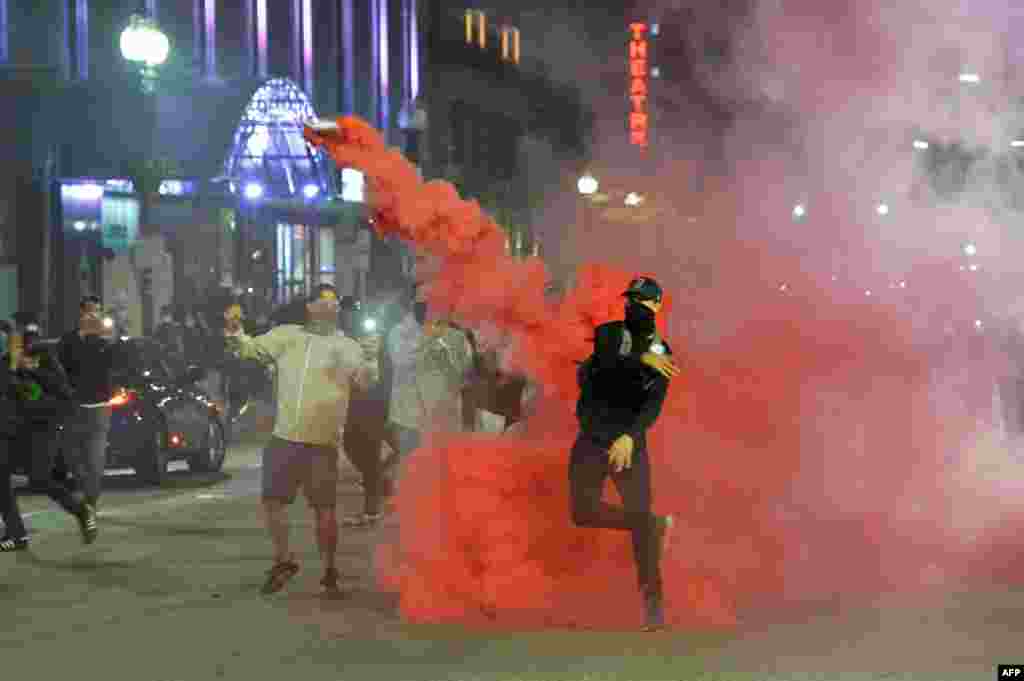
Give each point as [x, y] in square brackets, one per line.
[170, 333]
[15, 537]
[88, 359]
[621, 398]
[42, 396]
[366, 428]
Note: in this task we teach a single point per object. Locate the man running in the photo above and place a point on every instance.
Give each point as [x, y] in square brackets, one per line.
[622, 389]
[317, 367]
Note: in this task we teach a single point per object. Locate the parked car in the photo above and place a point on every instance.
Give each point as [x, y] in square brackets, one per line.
[160, 414]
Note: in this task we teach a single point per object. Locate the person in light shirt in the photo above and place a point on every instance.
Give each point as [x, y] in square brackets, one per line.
[317, 369]
[431, 362]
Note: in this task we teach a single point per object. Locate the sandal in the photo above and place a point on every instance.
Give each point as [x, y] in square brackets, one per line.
[362, 520]
[13, 544]
[330, 583]
[279, 575]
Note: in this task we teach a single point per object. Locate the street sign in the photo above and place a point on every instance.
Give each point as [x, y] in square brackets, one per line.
[120, 222]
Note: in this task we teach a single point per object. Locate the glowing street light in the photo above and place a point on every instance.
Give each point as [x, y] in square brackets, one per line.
[587, 185]
[143, 41]
[970, 249]
[882, 209]
[799, 210]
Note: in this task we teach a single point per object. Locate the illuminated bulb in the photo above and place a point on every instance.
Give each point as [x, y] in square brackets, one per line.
[799, 210]
[310, 191]
[970, 78]
[370, 324]
[977, 324]
[920, 144]
[253, 191]
[883, 209]
[108, 323]
[903, 284]
[79, 226]
[784, 287]
[867, 293]
[1017, 144]
[973, 267]
[970, 249]
[587, 185]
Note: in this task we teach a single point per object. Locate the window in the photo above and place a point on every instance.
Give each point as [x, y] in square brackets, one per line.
[295, 258]
[269, 150]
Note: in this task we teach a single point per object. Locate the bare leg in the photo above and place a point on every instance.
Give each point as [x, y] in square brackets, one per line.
[327, 536]
[275, 514]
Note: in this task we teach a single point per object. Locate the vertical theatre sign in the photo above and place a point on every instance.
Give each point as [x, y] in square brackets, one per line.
[638, 70]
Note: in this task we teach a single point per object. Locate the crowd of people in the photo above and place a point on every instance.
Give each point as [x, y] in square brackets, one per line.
[49, 389]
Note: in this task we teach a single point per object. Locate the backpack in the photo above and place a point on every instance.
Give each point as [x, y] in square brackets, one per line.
[587, 372]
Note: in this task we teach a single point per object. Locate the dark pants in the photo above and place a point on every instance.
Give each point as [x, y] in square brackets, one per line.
[85, 448]
[588, 468]
[14, 526]
[364, 453]
[38, 443]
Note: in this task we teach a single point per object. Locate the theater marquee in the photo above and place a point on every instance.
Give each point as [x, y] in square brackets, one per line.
[638, 86]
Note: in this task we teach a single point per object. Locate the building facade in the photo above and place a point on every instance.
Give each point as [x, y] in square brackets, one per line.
[168, 185]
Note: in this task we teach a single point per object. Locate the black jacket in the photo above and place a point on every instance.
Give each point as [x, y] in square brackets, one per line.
[88, 362]
[55, 392]
[626, 396]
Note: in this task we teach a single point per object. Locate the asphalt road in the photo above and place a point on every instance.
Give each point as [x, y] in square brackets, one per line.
[170, 593]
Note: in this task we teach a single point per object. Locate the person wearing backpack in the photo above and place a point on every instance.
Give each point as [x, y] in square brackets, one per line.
[623, 385]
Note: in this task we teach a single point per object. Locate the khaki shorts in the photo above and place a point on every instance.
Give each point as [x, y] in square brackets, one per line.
[287, 466]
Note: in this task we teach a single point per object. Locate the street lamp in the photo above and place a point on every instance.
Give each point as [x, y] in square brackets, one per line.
[143, 42]
[587, 185]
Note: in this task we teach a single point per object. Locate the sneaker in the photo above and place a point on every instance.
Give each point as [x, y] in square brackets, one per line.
[13, 544]
[654, 619]
[279, 575]
[87, 524]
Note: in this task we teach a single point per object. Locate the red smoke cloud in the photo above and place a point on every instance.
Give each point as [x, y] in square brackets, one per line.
[775, 504]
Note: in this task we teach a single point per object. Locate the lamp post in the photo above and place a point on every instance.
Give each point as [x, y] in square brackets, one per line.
[587, 186]
[144, 43]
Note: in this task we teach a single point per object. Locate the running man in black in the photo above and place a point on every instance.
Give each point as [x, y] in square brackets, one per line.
[623, 386]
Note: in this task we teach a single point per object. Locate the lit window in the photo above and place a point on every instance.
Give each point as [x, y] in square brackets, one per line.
[510, 44]
[476, 27]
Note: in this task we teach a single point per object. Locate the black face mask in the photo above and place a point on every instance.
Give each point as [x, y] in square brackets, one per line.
[640, 320]
[419, 311]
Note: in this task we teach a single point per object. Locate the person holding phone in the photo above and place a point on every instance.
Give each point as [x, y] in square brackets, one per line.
[87, 356]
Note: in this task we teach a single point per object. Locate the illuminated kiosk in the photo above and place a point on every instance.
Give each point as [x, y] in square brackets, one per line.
[282, 249]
